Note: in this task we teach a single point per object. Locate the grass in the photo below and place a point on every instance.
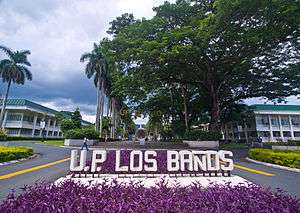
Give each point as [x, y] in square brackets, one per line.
[52, 142]
[233, 146]
[46, 142]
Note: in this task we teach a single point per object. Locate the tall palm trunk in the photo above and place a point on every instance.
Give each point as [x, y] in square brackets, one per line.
[4, 104]
[113, 118]
[101, 106]
[97, 124]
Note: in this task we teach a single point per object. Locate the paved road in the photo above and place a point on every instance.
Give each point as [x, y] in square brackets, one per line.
[286, 180]
[47, 154]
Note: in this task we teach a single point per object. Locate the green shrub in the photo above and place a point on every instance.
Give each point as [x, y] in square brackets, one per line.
[281, 157]
[26, 138]
[13, 153]
[289, 143]
[3, 135]
[199, 135]
[88, 133]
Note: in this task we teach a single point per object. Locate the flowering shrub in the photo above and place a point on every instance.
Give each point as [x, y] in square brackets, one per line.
[72, 197]
[13, 153]
[288, 158]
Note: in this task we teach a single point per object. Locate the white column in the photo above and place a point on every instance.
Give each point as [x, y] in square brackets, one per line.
[270, 128]
[246, 131]
[5, 119]
[280, 128]
[291, 128]
[34, 125]
[48, 127]
[54, 128]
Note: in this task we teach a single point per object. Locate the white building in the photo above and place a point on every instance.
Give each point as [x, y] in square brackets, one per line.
[24, 118]
[271, 123]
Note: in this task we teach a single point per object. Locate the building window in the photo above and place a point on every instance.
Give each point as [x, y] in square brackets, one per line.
[28, 118]
[242, 134]
[14, 117]
[253, 134]
[60, 134]
[297, 134]
[276, 134]
[55, 133]
[26, 131]
[51, 123]
[285, 121]
[262, 120]
[264, 134]
[296, 120]
[13, 131]
[50, 133]
[287, 134]
[274, 121]
[38, 121]
[37, 132]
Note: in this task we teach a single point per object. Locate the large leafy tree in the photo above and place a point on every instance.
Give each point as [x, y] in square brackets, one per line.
[13, 69]
[229, 50]
[97, 68]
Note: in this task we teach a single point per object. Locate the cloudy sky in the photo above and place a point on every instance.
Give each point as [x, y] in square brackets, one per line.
[57, 32]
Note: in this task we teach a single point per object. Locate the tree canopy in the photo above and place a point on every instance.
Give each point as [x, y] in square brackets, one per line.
[208, 54]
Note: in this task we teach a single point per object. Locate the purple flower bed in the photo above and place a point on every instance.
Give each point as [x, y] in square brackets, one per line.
[71, 197]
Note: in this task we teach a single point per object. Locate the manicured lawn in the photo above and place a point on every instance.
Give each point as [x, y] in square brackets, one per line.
[233, 146]
[52, 142]
[280, 157]
[14, 153]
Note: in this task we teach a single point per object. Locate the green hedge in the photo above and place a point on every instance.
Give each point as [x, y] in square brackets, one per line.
[280, 157]
[25, 138]
[13, 153]
[89, 133]
[199, 135]
[289, 143]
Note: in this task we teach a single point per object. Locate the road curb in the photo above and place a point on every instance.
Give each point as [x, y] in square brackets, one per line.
[273, 165]
[17, 161]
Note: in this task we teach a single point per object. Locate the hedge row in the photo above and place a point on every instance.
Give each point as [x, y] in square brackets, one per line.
[280, 157]
[89, 133]
[25, 138]
[289, 143]
[14, 153]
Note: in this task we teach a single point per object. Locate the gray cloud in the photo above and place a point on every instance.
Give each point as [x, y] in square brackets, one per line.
[57, 32]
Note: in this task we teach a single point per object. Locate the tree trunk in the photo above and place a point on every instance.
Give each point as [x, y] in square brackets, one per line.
[97, 124]
[4, 104]
[215, 108]
[113, 117]
[101, 106]
[186, 119]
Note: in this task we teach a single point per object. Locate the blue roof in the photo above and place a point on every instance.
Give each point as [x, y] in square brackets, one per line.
[26, 103]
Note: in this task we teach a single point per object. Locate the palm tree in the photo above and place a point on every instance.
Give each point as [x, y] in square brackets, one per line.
[14, 69]
[97, 67]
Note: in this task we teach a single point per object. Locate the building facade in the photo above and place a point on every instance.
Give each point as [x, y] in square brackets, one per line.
[26, 118]
[269, 123]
